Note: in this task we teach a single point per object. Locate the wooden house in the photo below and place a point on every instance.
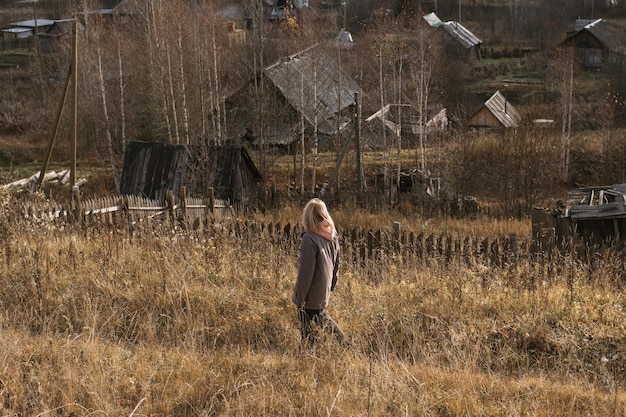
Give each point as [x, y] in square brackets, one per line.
[496, 113]
[304, 94]
[596, 43]
[152, 169]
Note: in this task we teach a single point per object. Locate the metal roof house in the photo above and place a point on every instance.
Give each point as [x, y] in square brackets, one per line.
[152, 169]
[306, 90]
[596, 43]
[456, 33]
[17, 33]
[497, 112]
[26, 28]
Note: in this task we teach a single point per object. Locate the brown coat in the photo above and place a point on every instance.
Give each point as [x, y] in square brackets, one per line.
[317, 271]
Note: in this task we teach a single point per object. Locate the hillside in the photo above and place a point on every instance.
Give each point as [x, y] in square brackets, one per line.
[163, 96]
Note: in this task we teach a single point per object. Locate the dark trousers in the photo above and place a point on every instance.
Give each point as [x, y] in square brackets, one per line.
[308, 318]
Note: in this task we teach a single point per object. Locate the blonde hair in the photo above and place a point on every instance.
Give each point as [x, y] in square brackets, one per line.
[315, 217]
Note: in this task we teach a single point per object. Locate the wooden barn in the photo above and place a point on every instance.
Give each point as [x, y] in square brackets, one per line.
[596, 43]
[152, 169]
[496, 113]
[307, 94]
[593, 216]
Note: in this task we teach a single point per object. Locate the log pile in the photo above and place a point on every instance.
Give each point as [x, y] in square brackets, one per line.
[50, 177]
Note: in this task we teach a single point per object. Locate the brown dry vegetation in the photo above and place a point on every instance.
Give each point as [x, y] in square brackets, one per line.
[163, 322]
[98, 321]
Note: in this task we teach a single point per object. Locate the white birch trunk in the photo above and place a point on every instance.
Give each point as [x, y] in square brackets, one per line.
[105, 116]
[121, 89]
[171, 93]
[183, 87]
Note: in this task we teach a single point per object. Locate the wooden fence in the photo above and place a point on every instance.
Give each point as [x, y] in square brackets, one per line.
[130, 208]
[377, 248]
[362, 245]
[359, 246]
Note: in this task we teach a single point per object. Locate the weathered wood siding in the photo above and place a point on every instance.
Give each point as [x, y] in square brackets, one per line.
[152, 169]
[484, 118]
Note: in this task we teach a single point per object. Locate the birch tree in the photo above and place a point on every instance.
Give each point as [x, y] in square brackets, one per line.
[96, 53]
[121, 87]
[105, 113]
[425, 68]
[565, 75]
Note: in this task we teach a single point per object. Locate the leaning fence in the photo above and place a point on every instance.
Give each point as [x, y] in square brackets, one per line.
[363, 246]
[359, 246]
[394, 245]
[130, 209]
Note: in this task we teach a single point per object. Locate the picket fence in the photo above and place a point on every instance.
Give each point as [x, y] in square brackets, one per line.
[359, 246]
[131, 209]
[362, 245]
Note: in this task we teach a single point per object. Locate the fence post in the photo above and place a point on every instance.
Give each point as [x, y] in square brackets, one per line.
[370, 244]
[396, 237]
[483, 250]
[211, 200]
[514, 248]
[419, 245]
[429, 245]
[495, 253]
[440, 245]
[78, 208]
[171, 205]
[378, 245]
[287, 236]
[183, 205]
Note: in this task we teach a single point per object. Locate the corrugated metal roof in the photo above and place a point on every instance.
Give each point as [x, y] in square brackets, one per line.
[503, 110]
[462, 34]
[433, 20]
[455, 29]
[313, 82]
[17, 30]
[34, 23]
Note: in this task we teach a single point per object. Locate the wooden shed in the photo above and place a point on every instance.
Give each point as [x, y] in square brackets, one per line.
[596, 43]
[497, 112]
[593, 216]
[152, 169]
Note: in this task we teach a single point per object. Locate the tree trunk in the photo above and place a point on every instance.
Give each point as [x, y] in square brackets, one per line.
[105, 115]
[121, 89]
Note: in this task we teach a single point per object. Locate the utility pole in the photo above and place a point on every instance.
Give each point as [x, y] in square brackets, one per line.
[75, 97]
[71, 76]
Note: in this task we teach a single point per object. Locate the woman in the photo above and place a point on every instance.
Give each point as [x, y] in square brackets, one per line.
[317, 270]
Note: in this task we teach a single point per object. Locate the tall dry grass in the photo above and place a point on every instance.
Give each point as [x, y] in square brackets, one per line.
[98, 321]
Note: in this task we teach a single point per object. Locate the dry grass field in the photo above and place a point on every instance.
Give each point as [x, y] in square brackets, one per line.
[161, 322]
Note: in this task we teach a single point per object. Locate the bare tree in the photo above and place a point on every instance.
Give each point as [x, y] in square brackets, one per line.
[96, 70]
[121, 86]
[565, 73]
